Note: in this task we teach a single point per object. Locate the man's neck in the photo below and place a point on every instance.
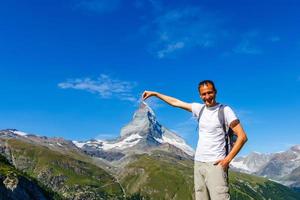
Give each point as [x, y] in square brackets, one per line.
[212, 105]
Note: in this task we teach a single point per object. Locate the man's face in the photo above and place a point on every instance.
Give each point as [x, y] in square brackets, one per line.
[208, 94]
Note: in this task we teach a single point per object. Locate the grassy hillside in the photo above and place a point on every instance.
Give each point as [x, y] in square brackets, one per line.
[159, 178]
[67, 174]
[163, 176]
[16, 185]
[244, 186]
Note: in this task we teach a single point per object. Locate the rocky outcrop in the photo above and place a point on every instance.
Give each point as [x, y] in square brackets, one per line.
[15, 186]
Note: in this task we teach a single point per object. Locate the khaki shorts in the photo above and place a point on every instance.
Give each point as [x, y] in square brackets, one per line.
[211, 182]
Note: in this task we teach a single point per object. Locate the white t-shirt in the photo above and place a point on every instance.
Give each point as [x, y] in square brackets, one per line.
[211, 143]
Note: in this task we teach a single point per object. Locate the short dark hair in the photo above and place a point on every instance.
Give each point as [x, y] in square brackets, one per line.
[205, 82]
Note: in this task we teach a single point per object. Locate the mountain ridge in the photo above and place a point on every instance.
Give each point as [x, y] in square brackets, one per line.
[283, 167]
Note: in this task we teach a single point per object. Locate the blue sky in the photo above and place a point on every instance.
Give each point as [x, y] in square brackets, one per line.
[77, 68]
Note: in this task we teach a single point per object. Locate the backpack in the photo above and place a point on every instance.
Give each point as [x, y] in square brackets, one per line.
[230, 137]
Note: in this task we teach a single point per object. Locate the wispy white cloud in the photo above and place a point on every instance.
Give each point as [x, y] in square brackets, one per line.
[246, 47]
[247, 117]
[252, 43]
[248, 44]
[182, 28]
[99, 6]
[170, 48]
[104, 86]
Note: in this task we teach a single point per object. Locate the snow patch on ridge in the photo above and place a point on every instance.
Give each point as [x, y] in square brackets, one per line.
[79, 144]
[241, 165]
[127, 142]
[179, 143]
[20, 133]
[175, 140]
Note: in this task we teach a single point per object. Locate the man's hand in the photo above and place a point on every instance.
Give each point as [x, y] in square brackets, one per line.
[148, 94]
[224, 163]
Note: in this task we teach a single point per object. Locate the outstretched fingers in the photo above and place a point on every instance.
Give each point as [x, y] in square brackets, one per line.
[146, 94]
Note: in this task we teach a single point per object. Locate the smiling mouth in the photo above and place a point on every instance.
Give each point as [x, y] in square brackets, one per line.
[209, 101]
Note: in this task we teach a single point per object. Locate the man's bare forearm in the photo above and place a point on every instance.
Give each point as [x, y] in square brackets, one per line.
[168, 99]
[236, 148]
[241, 140]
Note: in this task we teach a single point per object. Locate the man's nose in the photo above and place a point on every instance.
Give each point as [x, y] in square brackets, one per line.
[206, 96]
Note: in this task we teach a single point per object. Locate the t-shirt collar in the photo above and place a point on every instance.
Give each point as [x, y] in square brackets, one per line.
[213, 107]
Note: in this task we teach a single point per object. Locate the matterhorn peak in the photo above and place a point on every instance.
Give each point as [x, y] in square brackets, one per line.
[144, 111]
[143, 122]
[140, 134]
[145, 106]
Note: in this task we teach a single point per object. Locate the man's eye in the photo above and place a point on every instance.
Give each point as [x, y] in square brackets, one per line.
[203, 94]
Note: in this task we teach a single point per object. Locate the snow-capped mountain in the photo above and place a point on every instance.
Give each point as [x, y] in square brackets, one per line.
[141, 134]
[13, 133]
[251, 163]
[283, 167]
[57, 143]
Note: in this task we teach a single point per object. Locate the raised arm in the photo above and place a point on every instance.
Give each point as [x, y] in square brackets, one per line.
[170, 100]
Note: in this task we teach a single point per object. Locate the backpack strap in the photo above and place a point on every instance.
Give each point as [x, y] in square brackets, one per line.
[221, 117]
[200, 113]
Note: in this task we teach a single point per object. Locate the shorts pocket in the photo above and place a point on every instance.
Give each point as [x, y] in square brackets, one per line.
[223, 171]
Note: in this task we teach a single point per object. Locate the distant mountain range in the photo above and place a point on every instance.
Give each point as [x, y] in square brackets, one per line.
[147, 161]
[283, 167]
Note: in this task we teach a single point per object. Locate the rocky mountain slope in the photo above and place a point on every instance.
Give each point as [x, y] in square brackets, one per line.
[250, 163]
[283, 167]
[62, 169]
[16, 185]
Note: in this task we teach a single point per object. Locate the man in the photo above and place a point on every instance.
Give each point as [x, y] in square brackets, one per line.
[211, 160]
